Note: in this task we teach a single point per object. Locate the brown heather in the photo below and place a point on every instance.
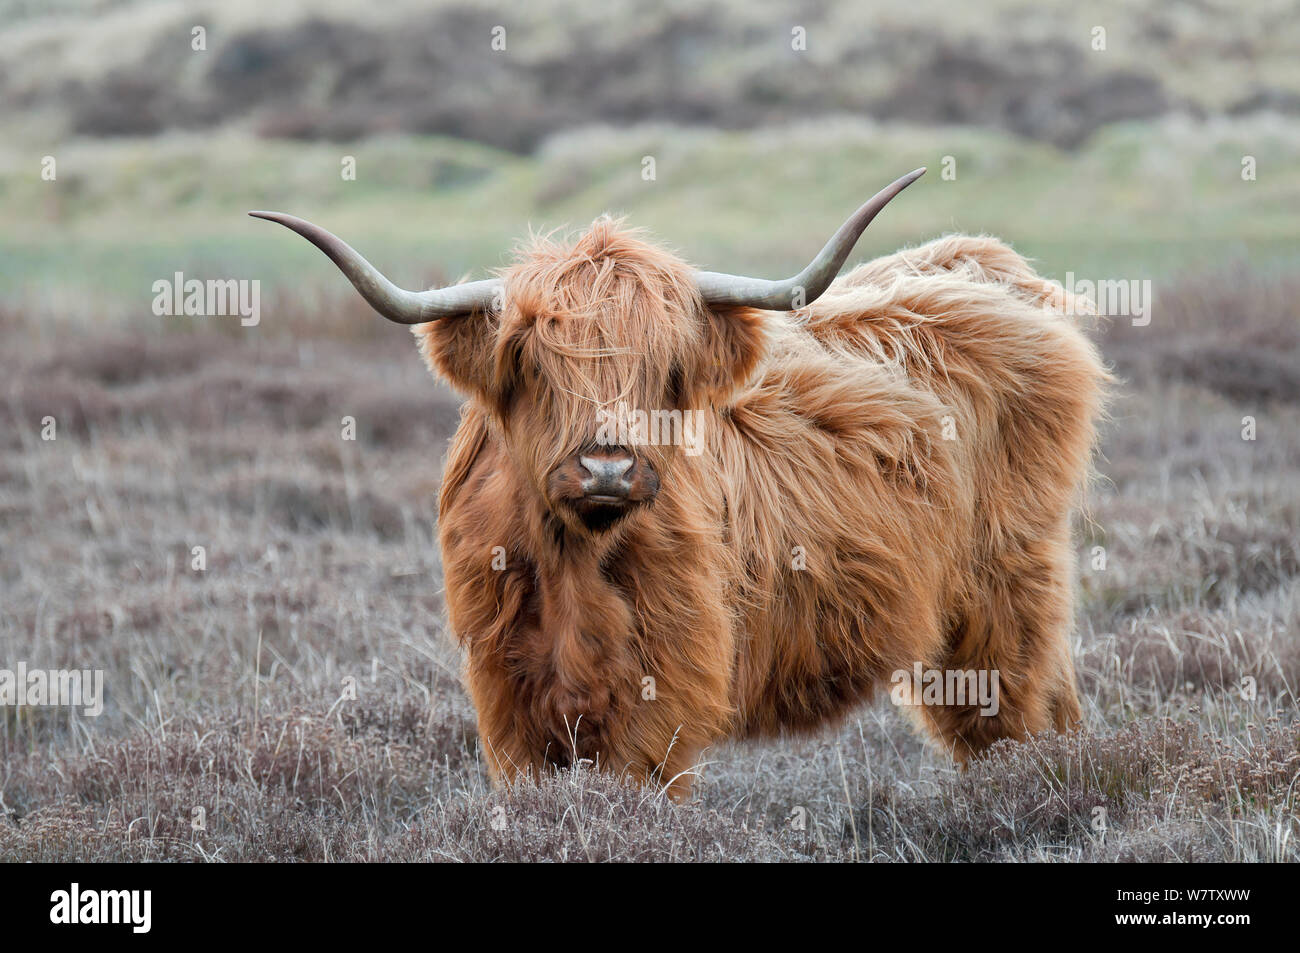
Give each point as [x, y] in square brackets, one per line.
[322, 554]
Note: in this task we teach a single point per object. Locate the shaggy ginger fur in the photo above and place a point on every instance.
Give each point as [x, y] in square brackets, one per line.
[828, 536]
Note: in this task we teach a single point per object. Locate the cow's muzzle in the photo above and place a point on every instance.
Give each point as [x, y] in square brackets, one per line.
[607, 476]
[603, 484]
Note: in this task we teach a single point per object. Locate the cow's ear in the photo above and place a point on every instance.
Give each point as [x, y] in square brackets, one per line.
[460, 351]
[734, 342]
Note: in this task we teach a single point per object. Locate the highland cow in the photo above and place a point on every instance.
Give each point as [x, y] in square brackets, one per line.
[889, 466]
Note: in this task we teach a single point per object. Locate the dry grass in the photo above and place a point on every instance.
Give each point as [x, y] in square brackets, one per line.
[223, 686]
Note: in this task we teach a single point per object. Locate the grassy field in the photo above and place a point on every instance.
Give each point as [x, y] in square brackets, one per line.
[224, 686]
[123, 213]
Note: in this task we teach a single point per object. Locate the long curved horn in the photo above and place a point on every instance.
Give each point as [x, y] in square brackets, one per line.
[394, 303]
[718, 288]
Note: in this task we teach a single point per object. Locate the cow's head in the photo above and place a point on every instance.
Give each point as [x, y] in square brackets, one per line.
[586, 354]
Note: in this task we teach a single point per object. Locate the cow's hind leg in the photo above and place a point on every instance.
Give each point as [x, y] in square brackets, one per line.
[1014, 635]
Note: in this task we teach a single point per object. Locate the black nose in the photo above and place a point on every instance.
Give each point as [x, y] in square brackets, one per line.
[608, 473]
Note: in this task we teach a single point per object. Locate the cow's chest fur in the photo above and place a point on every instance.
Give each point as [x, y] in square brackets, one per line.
[570, 654]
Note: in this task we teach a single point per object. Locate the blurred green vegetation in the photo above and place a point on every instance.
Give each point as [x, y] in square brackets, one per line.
[1141, 200]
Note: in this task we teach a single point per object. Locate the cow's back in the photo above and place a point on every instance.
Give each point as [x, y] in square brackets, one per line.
[967, 319]
[975, 400]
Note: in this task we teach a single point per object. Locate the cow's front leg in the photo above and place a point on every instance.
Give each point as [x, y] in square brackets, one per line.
[685, 650]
